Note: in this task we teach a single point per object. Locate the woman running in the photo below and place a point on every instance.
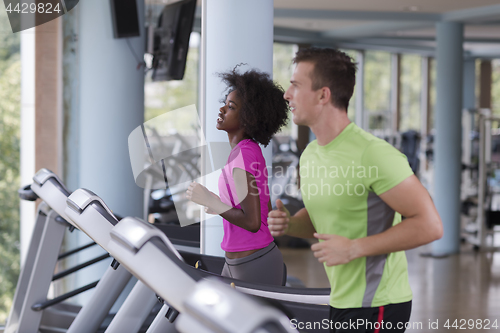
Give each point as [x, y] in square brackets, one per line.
[253, 111]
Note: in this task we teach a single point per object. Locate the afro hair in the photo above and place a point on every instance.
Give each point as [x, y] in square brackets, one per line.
[264, 110]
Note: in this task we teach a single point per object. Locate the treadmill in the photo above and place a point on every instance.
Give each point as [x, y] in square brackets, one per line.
[155, 266]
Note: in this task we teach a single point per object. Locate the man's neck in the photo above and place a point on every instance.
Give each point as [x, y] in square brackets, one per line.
[329, 125]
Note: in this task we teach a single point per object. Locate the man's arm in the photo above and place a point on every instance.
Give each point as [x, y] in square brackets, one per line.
[280, 222]
[421, 226]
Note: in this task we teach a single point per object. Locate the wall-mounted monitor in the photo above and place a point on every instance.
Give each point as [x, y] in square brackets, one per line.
[171, 40]
[125, 18]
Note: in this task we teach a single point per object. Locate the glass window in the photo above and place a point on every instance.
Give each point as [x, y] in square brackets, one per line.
[377, 88]
[282, 72]
[351, 109]
[10, 102]
[411, 87]
[495, 87]
[432, 92]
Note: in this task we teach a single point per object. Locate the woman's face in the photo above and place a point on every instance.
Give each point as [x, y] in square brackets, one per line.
[229, 113]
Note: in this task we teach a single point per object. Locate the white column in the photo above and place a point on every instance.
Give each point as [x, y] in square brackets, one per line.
[27, 134]
[235, 32]
[447, 148]
[111, 105]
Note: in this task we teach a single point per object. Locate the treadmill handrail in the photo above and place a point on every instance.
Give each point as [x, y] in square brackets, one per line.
[43, 175]
[50, 190]
[79, 200]
[134, 233]
[26, 193]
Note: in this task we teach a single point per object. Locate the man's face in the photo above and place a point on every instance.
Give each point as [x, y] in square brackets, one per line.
[302, 99]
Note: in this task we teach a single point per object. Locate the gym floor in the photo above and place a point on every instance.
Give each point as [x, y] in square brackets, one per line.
[462, 287]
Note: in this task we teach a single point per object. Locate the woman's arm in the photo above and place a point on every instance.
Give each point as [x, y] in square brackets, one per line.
[247, 195]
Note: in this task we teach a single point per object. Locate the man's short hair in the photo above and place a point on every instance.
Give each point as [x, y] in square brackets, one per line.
[333, 69]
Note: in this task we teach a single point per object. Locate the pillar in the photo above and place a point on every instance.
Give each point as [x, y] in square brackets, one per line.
[447, 175]
[103, 108]
[233, 32]
[111, 105]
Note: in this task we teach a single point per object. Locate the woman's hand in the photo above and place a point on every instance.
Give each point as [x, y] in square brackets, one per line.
[199, 194]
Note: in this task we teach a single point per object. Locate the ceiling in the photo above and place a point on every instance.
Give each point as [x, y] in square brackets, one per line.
[425, 6]
[392, 25]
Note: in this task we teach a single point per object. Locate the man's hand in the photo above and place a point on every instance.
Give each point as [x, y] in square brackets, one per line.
[278, 220]
[334, 250]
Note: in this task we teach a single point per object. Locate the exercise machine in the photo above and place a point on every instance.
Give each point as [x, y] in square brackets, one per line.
[31, 310]
[480, 182]
[306, 304]
[212, 307]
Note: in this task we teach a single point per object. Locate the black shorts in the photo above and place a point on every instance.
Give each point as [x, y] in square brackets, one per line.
[389, 318]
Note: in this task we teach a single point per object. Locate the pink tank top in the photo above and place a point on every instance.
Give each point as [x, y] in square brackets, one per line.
[247, 155]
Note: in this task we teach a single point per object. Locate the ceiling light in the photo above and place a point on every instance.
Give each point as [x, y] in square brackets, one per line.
[411, 8]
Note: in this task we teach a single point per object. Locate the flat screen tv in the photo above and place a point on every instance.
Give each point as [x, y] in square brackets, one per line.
[125, 18]
[171, 40]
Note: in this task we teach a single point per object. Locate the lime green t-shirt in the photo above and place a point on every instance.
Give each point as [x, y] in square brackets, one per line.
[340, 184]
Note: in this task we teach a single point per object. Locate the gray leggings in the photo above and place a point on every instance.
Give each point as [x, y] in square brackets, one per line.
[264, 266]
